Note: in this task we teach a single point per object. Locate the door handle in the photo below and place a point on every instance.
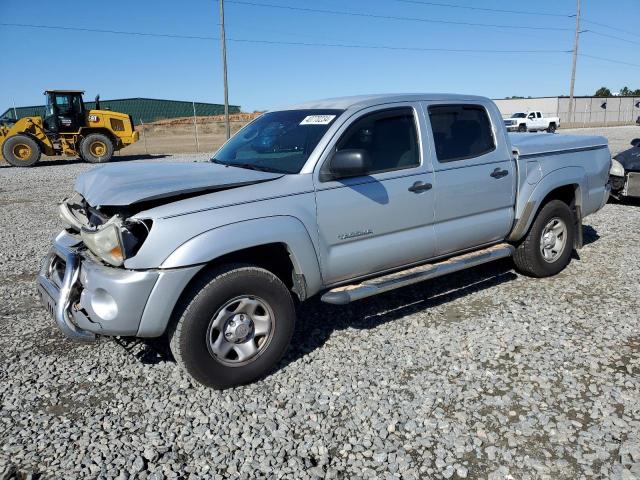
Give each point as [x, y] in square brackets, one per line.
[498, 173]
[418, 187]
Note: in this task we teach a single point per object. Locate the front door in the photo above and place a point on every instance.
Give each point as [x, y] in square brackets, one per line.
[383, 219]
[475, 177]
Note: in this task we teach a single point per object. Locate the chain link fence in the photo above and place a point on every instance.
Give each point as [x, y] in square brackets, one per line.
[196, 134]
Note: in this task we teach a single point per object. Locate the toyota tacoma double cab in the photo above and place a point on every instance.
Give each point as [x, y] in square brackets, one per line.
[531, 122]
[344, 198]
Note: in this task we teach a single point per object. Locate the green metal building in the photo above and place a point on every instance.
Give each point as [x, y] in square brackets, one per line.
[141, 109]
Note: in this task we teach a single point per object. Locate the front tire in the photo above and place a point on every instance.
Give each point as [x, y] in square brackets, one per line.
[234, 326]
[21, 151]
[547, 248]
[522, 128]
[96, 148]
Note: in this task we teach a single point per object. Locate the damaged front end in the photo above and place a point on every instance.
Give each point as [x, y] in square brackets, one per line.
[82, 282]
[109, 235]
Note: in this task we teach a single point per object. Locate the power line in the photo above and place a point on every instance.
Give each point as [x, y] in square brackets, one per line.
[493, 10]
[117, 32]
[306, 44]
[613, 37]
[283, 42]
[617, 29]
[391, 47]
[610, 60]
[392, 17]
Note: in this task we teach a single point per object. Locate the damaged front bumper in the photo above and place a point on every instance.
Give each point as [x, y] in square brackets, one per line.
[626, 186]
[87, 298]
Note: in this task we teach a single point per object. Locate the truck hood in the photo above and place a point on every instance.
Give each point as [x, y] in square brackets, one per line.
[128, 184]
[630, 159]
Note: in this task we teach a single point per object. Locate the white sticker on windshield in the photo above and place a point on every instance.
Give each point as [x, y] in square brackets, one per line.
[317, 120]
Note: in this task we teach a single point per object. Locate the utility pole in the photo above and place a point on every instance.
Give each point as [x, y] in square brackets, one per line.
[224, 71]
[195, 126]
[575, 59]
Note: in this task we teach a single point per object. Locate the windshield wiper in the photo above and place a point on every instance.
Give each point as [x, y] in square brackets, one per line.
[253, 166]
[249, 166]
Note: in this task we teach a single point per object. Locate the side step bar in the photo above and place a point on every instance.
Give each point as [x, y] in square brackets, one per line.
[349, 293]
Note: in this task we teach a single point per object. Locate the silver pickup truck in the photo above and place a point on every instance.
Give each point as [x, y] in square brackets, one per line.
[346, 198]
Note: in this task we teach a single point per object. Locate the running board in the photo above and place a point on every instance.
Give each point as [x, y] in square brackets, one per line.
[349, 293]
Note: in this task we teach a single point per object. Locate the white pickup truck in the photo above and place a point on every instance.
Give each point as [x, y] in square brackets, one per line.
[531, 122]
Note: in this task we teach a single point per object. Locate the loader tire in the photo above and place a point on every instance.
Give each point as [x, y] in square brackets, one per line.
[21, 151]
[96, 148]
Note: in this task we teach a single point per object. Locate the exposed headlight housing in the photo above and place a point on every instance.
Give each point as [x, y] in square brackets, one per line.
[106, 241]
[68, 218]
[72, 212]
[617, 170]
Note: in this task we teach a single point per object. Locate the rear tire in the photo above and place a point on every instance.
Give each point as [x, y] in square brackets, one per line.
[522, 128]
[547, 248]
[21, 151]
[233, 326]
[96, 148]
[552, 128]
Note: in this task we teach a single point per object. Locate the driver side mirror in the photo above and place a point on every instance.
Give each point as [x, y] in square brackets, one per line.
[349, 163]
[635, 142]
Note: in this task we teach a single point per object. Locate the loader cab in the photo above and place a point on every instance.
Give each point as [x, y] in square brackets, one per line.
[65, 111]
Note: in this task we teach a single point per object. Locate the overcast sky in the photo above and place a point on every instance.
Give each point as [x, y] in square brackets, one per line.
[267, 75]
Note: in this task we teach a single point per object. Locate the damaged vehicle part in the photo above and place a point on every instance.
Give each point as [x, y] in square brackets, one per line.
[624, 175]
[112, 239]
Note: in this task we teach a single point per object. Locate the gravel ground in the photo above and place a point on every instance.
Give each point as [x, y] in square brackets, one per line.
[482, 374]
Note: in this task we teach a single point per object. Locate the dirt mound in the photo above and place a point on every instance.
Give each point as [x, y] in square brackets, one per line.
[234, 117]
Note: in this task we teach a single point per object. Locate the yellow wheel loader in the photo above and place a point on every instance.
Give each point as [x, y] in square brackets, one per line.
[66, 128]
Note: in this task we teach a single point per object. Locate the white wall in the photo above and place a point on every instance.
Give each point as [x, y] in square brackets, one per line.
[546, 105]
[587, 110]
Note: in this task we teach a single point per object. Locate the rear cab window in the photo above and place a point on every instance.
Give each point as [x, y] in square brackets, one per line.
[461, 131]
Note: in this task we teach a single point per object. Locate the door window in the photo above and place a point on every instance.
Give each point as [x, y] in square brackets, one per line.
[460, 131]
[389, 137]
[76, 103]
[62, 102]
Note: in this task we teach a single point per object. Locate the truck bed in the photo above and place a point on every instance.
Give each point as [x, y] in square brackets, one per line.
[531, 145]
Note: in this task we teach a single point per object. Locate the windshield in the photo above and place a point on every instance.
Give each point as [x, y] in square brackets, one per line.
[518, 115]
[277, 141]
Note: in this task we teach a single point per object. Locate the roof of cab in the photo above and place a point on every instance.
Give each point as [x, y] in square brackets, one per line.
[364, 101]
[63, 91]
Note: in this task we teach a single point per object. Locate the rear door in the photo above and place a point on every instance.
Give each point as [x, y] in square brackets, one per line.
[475, 176]
[540, 122]
[379, 220]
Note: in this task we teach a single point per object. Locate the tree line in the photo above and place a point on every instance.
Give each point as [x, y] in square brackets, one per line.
[624, 92]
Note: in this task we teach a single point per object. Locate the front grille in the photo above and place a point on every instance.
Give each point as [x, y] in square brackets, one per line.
[633, 184]
[56, 271]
